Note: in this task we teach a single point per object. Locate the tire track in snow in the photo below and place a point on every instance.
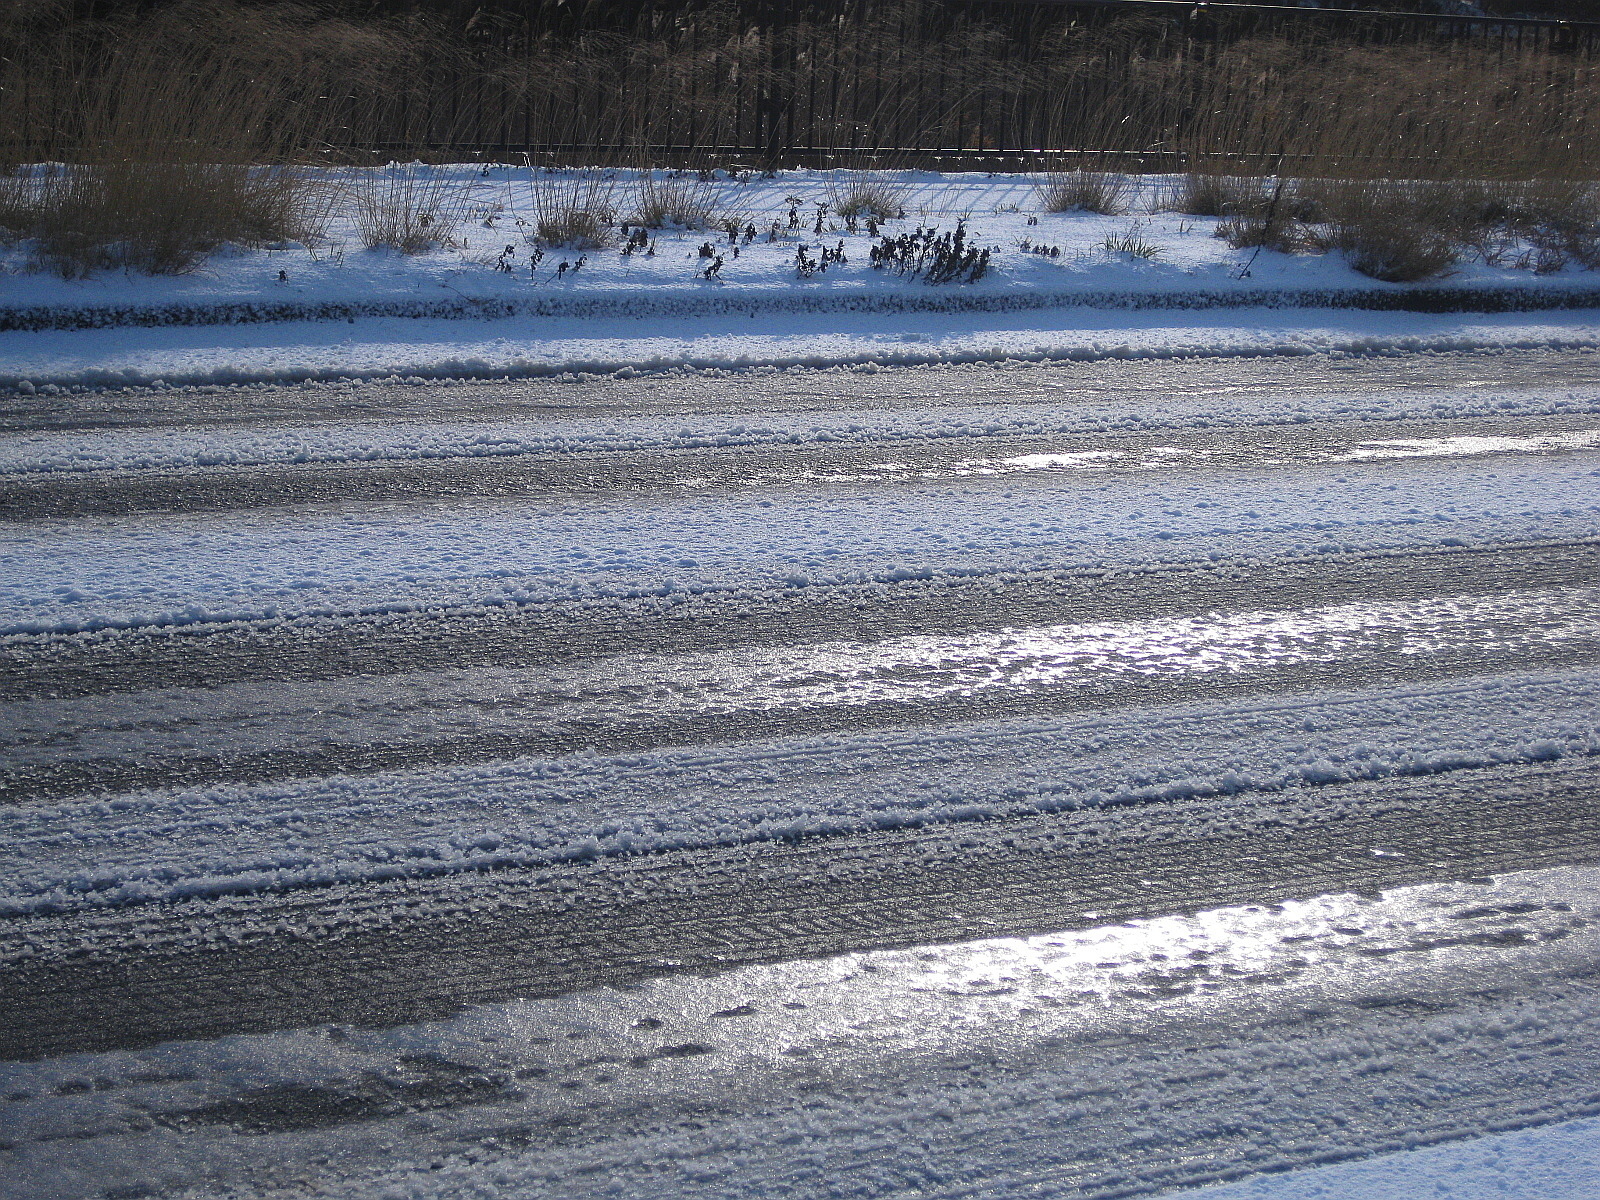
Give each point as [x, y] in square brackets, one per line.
[246, 731]
[379, 953]
[683, 622]
[121, 491]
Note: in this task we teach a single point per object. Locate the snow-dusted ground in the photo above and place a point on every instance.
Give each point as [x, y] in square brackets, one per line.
[1551, 1162]
[125, 573]
[936, 499]
[1367, 396]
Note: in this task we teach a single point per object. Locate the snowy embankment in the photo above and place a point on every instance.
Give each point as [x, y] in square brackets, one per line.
[518, 348]
[472, 310]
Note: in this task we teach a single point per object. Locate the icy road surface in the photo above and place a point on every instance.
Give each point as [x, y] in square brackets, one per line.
[1159, 1052]
[1082, 779]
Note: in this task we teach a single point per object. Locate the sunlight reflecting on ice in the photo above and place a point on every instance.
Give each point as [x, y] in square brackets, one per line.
[1466, 445]
[1067, 655]
[989, 668]
[1158, 457]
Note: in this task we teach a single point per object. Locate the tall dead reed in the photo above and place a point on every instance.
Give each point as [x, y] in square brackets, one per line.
[178, 131]
[576, 210]
[1407, 159]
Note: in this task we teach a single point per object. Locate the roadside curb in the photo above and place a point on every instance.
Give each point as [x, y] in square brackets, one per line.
[48, 317]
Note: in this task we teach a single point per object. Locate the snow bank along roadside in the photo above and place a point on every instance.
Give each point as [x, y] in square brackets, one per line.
[638, 304]
[342, 312]
[1041, 259]
[512, 348]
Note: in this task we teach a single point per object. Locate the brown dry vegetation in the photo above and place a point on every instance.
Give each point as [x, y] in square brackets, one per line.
[171, 136]
[1083, 190]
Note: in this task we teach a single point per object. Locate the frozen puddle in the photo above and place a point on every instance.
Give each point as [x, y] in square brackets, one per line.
[1179, 1048]
[931, 467]
[1068, 662]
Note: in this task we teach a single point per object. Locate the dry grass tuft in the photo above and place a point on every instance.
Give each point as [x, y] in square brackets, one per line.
[1559, 219]
[861, 194]
[676, 200]
[576, 210]
[1083, 191]
[1395, 253]
[411, 208]
[1282, 234]
[1396, 232]
[159, 218]
[1406, 232]
[166, 120]
[1203, 194]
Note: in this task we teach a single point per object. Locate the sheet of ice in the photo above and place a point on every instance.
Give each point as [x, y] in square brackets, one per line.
[722, 690]
[1467, 445]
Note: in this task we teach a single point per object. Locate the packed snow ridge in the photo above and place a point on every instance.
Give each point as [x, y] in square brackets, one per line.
[1276, 753]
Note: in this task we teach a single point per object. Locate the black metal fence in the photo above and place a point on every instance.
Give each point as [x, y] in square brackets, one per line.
[982, 83]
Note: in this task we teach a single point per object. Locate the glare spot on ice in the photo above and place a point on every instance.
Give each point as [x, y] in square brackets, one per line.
[1468, 445]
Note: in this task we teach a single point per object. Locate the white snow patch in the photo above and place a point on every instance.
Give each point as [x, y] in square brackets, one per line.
[1550, 1162]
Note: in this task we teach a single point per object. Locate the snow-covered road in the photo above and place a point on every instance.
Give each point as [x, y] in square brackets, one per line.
[953, 780]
